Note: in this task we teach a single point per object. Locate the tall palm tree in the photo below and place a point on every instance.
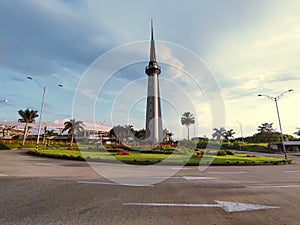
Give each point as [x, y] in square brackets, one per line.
[73, 127]
[219, 133]
[187, 119]
[27, 116]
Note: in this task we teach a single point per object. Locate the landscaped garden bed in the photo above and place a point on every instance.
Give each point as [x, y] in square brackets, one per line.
[135, 157]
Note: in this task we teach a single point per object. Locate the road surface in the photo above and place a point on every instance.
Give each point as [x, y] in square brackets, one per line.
[37, 190]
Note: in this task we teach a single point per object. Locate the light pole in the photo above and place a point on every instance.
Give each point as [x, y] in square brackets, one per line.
[42, 110]
[275, 99]
[241, 129]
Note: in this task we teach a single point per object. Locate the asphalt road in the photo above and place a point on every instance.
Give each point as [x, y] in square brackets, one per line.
[37, 190]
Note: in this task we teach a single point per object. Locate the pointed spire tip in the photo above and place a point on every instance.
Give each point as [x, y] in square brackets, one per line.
[152, 29]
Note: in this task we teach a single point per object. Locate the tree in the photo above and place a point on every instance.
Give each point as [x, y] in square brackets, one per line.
[73, 127]
[122, 132]
[187, 119]
[266, 128]
[167, 135]
[27, 116]
[229, 134]
[140, 134]
[266, 133]
[219, 134]
[48, 134]
[297, 132]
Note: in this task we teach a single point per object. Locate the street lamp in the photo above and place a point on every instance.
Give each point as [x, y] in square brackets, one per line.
[241, 129]
[42, 110]
[275, 99]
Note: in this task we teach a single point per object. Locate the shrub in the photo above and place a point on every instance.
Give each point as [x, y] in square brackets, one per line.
[200, 151]
[123, 152]
[164, 147]
[197, 155]
[201, 144]
[250, 155]
[73, 148]
[221, 153]
[229, 152]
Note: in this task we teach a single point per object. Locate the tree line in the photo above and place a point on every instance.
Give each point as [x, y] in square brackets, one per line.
[266, 133]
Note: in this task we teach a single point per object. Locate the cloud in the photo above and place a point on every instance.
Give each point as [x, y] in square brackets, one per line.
[44, 37]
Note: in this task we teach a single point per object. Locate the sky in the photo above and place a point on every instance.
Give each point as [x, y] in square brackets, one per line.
[216, 57]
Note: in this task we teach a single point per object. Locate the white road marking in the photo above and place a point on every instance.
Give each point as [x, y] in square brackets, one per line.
[3, 175]
[162, 177]
[292, 171]
[114, 184]
[226, 206]
[47, 164]
[224, 172]
[183, 168]
[199, 178]
[273, 186]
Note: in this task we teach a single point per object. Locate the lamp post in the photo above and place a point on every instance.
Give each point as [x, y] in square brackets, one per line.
[275, 99]
[42, 110]
[241, 129]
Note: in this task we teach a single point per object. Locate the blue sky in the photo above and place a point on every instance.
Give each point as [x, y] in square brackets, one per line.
[248, 47]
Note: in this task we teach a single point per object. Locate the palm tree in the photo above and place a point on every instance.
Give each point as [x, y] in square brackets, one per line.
[187, 119]
[73, 127]
[265, 128]
[27, 116]
[229, 134]
[219, 133]
[297, 132]
[49, 134]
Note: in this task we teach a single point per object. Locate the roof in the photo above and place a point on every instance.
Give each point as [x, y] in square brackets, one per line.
[58, 124]
[291, 143]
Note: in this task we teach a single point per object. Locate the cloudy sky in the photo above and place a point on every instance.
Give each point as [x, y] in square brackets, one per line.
[216, 57]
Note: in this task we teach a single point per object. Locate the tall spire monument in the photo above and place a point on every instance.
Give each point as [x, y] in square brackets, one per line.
[154, 131]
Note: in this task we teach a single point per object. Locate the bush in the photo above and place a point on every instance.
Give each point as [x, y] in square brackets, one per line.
[201, 144]
[123, 152]
[221, 153]
[200, 152]
[197, 155]
[164, 147]
[229, 152]
[73, 148]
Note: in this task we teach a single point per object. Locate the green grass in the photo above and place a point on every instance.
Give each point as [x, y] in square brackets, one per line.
[30, 145]
[148, 158]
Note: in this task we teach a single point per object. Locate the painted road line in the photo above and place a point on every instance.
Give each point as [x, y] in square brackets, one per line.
[183, 168]
[225, 172]
[3, 175]
[273, 186]
[47, 164]
[292, 171]
[199, 178]
[114, 184]
[162, 177]
[226, 206]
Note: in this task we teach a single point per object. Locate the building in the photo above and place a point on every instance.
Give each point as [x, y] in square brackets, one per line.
[154, 131]
[291, 146]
